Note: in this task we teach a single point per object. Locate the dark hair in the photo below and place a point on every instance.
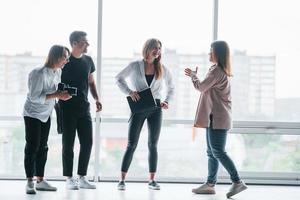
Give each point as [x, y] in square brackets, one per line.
[149, 45]
[75, 36]
[55, 53]
[222, 55]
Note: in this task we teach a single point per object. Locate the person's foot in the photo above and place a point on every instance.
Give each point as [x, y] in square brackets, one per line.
[153, 185]
[236, 188]
[30, 188]
[205, 188]
[121, 185]
[44, 186]
[85, 184]
[72, 184]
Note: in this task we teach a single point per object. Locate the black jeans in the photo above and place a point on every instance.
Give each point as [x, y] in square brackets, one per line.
[36, 148]
[82, 122]
[154, 119]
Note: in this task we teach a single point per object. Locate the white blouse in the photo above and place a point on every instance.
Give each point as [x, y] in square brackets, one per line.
[41, 81]
[135, 72]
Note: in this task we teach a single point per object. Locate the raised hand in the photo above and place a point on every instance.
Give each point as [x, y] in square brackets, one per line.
[189, 72]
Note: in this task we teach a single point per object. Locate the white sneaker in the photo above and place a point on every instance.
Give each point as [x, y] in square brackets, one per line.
[45, 186]
[84, 183]
[236, 188]
[72, 184]
[30, 188]
[121, 185]
[204, 189]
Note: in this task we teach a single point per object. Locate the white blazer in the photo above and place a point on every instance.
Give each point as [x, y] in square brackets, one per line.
[135, 71]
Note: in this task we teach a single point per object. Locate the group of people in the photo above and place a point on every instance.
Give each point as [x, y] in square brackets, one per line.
[76, 69]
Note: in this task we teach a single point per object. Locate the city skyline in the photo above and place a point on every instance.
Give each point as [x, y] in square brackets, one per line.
[186, 27]
[253, 85]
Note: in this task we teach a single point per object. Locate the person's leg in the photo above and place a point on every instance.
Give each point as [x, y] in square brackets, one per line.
[69, 124]
[85, 136]
[154, 121]
[41, 157]
[217, 140]
[135, 126]
[213, 164]
[134, 130]
[218, 143]
[32, 137]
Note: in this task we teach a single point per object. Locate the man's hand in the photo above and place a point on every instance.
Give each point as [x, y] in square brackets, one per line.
[98, 106]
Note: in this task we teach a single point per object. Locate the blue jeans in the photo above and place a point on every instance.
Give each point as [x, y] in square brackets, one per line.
[216, 141]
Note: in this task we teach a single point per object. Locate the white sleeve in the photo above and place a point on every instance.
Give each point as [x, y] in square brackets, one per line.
[170, 85]
[35, 84]
[120, 79]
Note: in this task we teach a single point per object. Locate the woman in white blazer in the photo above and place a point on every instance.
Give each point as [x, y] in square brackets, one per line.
[148, 72]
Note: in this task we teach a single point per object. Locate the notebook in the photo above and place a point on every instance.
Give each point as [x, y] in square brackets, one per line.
[146, 102]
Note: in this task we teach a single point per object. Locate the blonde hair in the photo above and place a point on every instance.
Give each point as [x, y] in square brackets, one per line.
[149, 45]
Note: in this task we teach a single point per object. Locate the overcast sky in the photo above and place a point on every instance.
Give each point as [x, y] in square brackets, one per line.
[261, 27]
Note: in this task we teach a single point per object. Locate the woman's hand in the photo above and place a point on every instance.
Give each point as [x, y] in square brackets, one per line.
[134, 96]
[164, 105]
[189, 72]
[64, 95]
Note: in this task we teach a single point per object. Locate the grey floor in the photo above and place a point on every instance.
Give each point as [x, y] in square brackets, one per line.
[15, 190]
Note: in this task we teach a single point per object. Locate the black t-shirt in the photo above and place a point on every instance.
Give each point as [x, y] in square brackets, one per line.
[76, 74]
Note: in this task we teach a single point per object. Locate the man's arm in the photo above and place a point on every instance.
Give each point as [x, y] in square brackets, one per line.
[94, 93]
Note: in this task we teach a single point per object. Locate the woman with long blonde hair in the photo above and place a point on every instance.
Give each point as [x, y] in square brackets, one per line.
[148, 72]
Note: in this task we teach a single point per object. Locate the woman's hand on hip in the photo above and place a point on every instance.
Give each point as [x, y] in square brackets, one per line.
[134, 96]
[164, 105]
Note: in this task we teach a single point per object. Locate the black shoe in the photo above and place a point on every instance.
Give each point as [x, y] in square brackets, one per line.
[121, 185]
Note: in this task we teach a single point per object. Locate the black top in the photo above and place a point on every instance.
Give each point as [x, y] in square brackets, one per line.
[149, 78]
[76, 73]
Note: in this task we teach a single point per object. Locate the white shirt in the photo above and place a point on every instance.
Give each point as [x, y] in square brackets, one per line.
[135, 71]
[41, 81]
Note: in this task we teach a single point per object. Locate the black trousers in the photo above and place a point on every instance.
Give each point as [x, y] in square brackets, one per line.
[73, 121]
[154, 121]
[36, 147]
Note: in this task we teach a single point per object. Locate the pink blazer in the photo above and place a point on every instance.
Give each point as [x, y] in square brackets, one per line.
[215, 99]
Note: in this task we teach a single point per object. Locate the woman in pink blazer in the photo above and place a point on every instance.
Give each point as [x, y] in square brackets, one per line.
[214, 114]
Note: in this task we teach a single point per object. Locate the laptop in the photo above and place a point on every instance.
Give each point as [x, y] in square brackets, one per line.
[145, 103]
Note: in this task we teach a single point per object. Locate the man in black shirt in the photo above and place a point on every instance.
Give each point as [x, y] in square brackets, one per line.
[78, 73]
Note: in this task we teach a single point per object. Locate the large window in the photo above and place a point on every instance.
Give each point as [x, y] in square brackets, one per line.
[28, 29]
[263, 39]
[184, 28]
